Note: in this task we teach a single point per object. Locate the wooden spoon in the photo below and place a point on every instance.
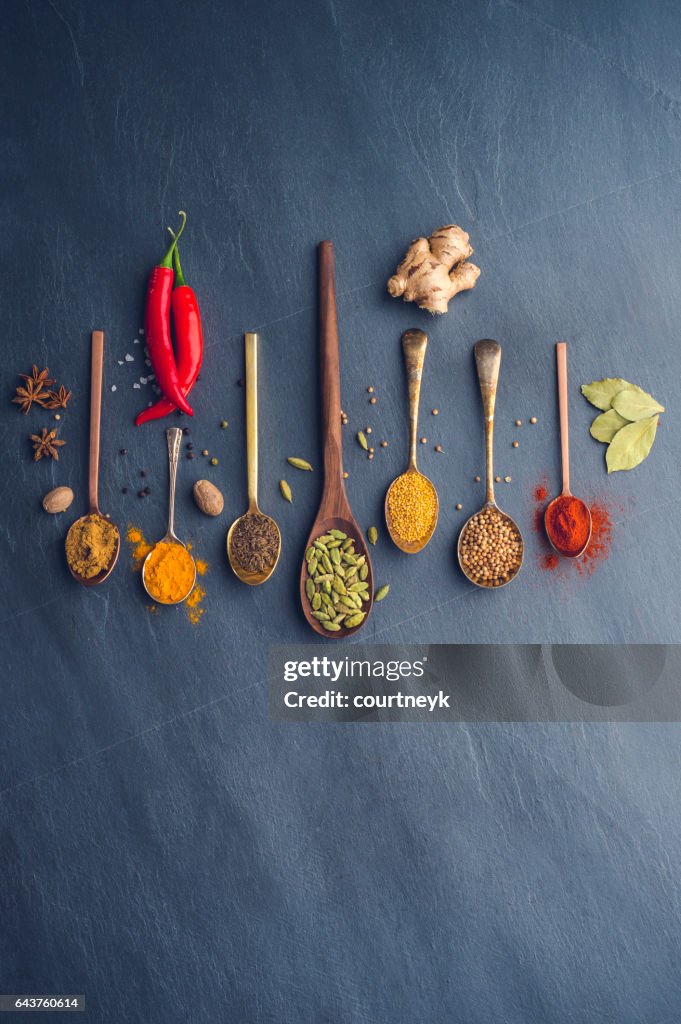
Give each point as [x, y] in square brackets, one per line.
[561, 370]
[96, 374]
[253, 579]
[334, 510]
[414, 345]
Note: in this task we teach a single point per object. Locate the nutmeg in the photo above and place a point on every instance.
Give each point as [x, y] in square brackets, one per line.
[58, 500]
[208, 498]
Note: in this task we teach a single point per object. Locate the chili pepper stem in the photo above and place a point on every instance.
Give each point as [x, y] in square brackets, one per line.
[167, 260]
[179, 276]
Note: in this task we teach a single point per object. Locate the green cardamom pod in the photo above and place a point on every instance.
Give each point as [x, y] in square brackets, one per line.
[316, 602]
[355, 620]
[338, 585]
[339, 535]
[312, 566]
[362, 441]
[309, 589]
[285, 490]
[363, 571]
[382, 592]
[334, 554]
[332, 627]
[320, 616]
[300, 464]
[372, 534]
[326, 587]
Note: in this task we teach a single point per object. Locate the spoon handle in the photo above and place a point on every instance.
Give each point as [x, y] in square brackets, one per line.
[561, 369]
[414, 344]
[174, 438]
[96, 373]
[329, 369]
[488, 361]
[251, 351]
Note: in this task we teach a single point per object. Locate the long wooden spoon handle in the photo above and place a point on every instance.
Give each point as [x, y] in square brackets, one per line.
[96, 373]
[251, 352]
[329, 366]
[414, 344]
[561, 370]
[488, 362]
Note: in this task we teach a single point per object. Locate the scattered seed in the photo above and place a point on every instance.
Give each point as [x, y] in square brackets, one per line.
[141, 494]
[459, 506]
[299, 464]
[345, 475]
[477, 479]
[424, 440]
[189, 455]
[123, 451]
[508, 479]
[367, 430]
[370, 390]
[205, 451]
[498, 479]
[436, 412]
[438, 448]
[515, 444]
[285, 490]
[370, 456]
[362, 441]
[384, 444]
[371, 451]
[213, 461]
[57, 416]
[533, 419]
[372, 400]
[223, 424]
[519, 423]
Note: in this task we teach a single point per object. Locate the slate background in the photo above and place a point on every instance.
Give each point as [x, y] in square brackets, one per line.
[165, 849]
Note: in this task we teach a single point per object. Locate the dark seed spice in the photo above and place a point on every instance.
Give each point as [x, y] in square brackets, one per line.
[255, 542]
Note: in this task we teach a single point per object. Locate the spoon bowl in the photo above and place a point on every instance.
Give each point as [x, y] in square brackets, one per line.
[410, 547]
[252, 577]
[96, 376]
[414, 344]
[174, 439]
[322, 526]
[563, 403]
[492, 585]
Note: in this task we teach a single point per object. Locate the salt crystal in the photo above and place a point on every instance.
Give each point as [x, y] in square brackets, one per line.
[143, 380]
[113, 387]
[137, 387]
[129, 358]
[120, 362]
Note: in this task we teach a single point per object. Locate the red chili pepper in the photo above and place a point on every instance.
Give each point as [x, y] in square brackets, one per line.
[188, 339]
[157, 328]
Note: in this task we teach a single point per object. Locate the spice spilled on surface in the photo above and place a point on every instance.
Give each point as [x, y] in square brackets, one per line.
[600, 542]
[140, 548]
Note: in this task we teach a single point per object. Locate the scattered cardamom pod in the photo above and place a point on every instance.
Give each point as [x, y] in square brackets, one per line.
[285, 490]
[372, 534]
[382, 592]
[299, 464]
[363, 443]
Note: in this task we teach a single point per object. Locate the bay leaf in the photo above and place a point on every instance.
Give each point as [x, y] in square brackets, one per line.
[631, 444]
[605, 426]
[601, 392]
[636, 405]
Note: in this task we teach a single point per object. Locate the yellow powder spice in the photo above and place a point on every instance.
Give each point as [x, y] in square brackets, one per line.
[140, 546]
[91, 545]
[169, 573]
[412, 504]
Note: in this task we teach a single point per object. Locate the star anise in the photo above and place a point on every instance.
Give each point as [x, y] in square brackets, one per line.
[35, 389]
[46, 444]
[57, 399]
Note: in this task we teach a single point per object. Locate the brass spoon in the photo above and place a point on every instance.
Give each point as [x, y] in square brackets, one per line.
[96, 374]
[334, 509]
[414, 348]
[253, 579]
[487, 362]
[174, 439]
[561, 368]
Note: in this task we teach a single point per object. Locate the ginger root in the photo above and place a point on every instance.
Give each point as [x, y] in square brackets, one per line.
[435, 269]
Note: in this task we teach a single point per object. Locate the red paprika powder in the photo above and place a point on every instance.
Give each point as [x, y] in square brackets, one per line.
[568, 524]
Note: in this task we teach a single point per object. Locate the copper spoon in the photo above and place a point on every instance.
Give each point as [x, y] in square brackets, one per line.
[248, 576]
[561, 369]
[96, 374]
[488, 362]
[414, 345]
[334, 510]
[174, 439]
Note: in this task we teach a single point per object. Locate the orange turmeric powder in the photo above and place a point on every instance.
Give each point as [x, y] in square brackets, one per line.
[169, 572]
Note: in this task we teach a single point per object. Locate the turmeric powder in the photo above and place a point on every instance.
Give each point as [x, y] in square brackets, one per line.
[169, 573]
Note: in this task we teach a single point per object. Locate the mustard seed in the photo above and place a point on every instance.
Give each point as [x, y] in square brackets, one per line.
[508, 479]
[367, 430]
[477, 479]
[459, 506]
[533, 419]
[424, 440]
[345, 475]
[515, 444]
[518, 423]
[370, 390]
[436, 412]
[384, 444]
[373, 400]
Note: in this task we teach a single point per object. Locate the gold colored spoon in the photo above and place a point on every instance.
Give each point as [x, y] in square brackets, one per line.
[249, 576]
[414, 345]
[487, 362]
[561, 370]
[174, 439]
[96, 374]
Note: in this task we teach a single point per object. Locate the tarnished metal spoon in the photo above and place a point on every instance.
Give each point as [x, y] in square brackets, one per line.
[249, 576]
[414, 345]
[487, 362]
[174, 438]
[96, 374]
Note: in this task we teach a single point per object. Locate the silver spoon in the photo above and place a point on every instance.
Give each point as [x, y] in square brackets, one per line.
[488, 362]
[174, 438]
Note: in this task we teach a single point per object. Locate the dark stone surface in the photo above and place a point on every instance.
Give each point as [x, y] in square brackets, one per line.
[165, 848]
